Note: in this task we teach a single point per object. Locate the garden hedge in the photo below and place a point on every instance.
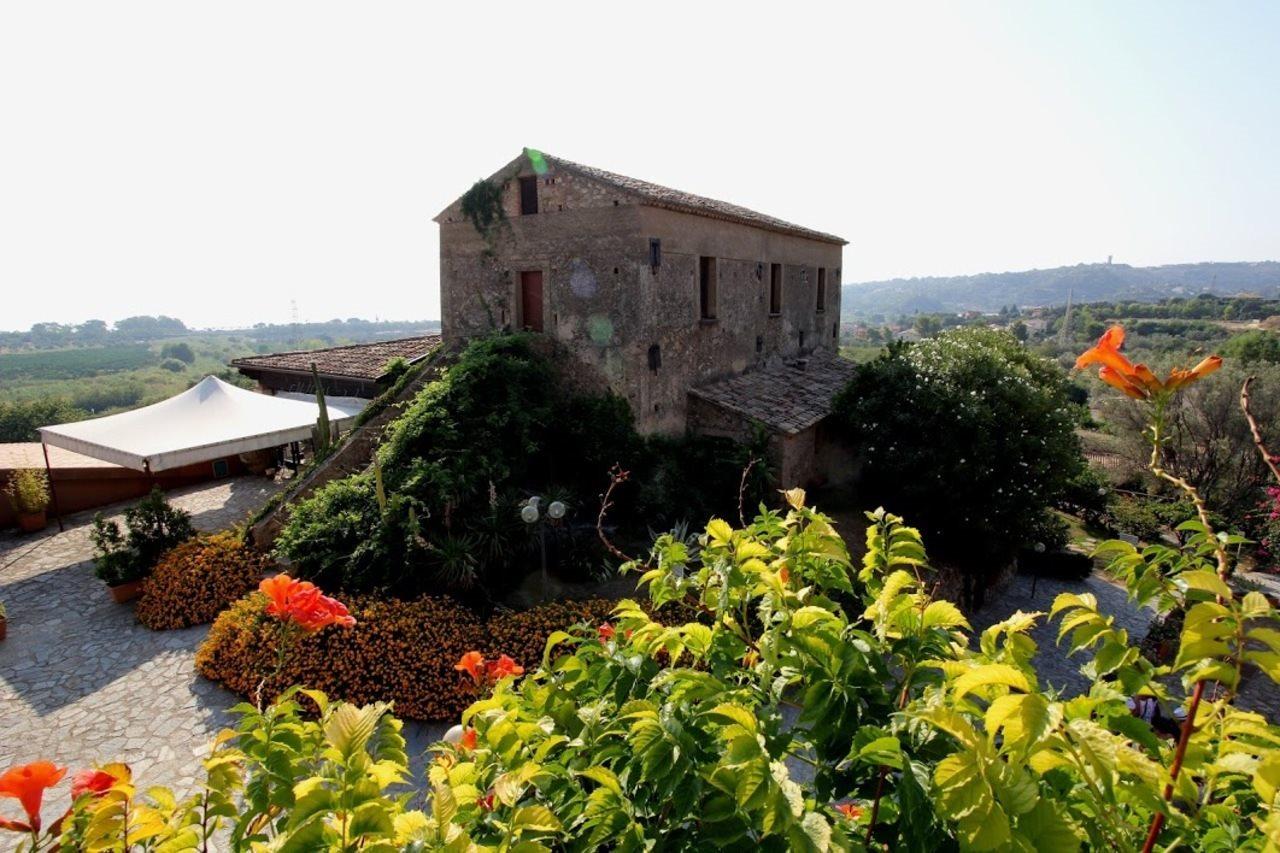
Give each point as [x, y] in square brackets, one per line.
[399, 651]
[197, 580]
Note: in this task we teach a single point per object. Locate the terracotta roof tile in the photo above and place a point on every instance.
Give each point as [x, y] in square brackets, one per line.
[785, 397]
[357, 361]
[660, 196]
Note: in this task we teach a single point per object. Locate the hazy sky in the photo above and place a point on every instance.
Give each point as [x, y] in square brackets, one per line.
[213, 161]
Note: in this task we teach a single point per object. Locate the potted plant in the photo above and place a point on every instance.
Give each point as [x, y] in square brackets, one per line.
[4, 621]
[124, 558]
[28, 493]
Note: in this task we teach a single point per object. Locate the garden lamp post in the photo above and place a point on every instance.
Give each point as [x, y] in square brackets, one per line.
[531, 514]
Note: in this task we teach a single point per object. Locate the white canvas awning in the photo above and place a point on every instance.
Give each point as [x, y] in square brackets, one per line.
[210, 420]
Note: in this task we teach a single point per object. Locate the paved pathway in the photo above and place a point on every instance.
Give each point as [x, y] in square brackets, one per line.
[1259, 693]
[81, 682]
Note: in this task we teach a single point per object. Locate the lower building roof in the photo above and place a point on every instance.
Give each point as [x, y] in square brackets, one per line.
[787, 397]
[356, 361]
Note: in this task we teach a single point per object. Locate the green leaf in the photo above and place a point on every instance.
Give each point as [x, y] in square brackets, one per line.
[992, 674]
[944, 614]
[535, 818]
[1206, 581]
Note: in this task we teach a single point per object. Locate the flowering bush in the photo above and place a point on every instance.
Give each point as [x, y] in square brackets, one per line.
[399, 651]
[197, 580]
[969, 434]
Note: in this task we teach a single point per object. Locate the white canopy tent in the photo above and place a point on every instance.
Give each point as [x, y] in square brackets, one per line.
[210, 420]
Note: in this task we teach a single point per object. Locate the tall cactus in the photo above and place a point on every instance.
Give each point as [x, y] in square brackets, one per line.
[323, 434]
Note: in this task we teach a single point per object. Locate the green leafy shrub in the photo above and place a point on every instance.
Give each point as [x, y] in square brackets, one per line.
[493, 429]
[970, 433]
[180, 351]
[151, 527]
[20, 419]
[197, 580]
[28, 491]
[1137, 516]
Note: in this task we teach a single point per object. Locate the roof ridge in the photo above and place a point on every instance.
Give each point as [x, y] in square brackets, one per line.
[659, 195]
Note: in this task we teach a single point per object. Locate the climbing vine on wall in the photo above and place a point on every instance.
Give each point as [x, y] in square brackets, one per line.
[482, 204]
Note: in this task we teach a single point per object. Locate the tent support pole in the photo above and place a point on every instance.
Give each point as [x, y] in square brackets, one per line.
[53, 490]
[151, 478]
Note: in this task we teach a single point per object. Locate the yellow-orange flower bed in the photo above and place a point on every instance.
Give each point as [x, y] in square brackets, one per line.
[197, 580]
[398, 651]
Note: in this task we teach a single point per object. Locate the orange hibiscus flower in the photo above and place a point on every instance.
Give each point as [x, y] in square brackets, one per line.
[27, 785]
[606, 632]
[850, 811]
[472, 663]
[468, 740]
[1137, 380]
[302, 603]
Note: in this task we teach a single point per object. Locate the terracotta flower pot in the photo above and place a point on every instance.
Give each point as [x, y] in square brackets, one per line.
[30, 522]
[122, 592]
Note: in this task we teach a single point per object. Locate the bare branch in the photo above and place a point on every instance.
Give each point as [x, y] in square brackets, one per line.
[742, 491]
[617, 477]
[1256, 431]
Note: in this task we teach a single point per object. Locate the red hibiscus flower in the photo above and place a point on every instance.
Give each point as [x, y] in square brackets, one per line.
[486, 802]
[27, 785]
[93, 782]
[468, 741]
[502, 667]
[606, 632]
[301, 603]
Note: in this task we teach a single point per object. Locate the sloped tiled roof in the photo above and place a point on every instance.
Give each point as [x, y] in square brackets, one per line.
[785, 397]
[357, 361]
[660, 196]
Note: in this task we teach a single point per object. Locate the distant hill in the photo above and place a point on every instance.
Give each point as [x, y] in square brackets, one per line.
[1088, 282]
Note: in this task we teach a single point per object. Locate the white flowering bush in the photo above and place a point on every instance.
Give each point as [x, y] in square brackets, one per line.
[970, 434]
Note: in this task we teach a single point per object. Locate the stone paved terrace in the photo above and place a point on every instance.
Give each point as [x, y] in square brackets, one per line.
[81, 682]
[1258, 693]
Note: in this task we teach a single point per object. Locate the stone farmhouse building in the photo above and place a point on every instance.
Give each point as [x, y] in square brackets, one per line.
[704, 315]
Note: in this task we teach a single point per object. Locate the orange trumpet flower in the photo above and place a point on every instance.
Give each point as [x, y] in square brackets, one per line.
[27, 784]
[301, 602]
[1137, 380]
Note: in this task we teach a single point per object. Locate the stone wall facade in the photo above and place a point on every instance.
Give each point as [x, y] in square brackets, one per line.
[636, 324]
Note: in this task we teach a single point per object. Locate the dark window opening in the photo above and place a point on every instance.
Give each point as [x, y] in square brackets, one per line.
[528, 195]
[802, 340]
[759, 343]
[707, 288]
[759, 272]
[775, 288]
[835, 330]
[655, 357]
[822, 288]
[655, 253]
